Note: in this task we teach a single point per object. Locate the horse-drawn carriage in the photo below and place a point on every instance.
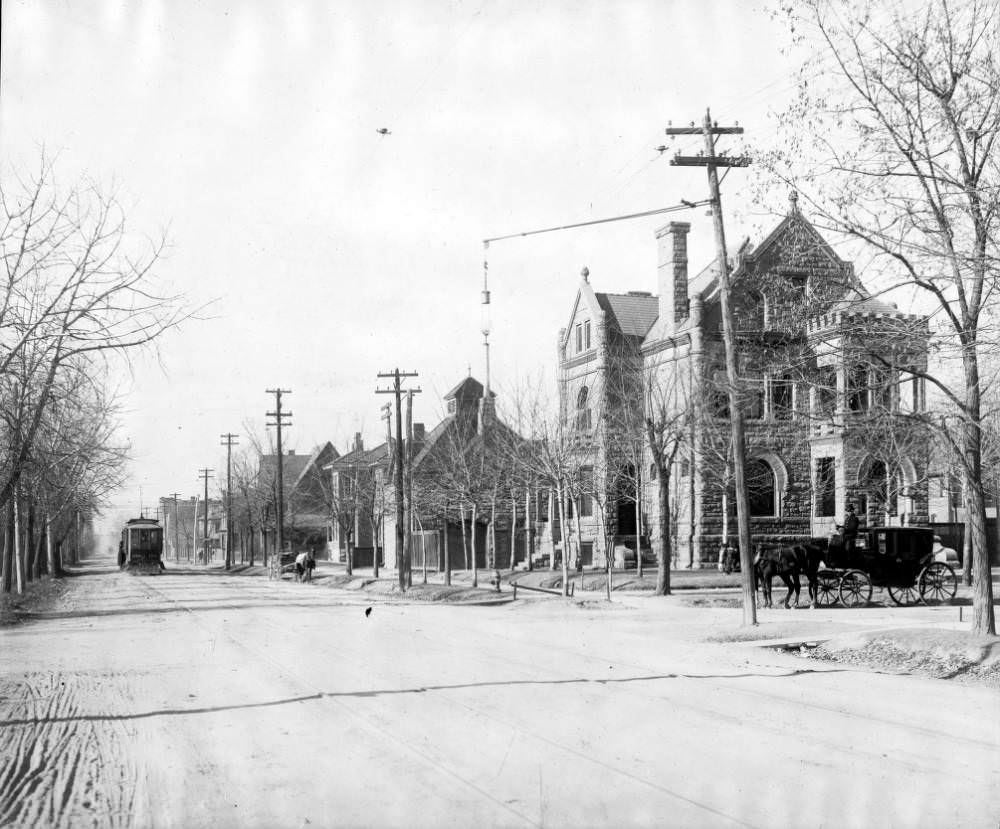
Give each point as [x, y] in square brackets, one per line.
[898, 559]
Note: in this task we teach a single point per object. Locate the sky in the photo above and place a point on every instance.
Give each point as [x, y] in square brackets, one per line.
[324, 252]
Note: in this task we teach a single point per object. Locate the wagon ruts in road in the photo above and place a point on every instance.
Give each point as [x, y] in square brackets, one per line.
[899, 560]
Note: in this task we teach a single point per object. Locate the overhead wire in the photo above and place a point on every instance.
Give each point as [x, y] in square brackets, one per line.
[657, 211]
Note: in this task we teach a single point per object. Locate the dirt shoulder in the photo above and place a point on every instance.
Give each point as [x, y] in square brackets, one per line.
[38, 597]
[941, 654]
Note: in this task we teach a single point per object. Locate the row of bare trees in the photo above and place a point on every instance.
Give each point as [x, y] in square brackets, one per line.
[893, 141]
[77, 292]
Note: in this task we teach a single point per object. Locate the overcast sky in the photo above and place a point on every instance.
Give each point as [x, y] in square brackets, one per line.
[247, 131]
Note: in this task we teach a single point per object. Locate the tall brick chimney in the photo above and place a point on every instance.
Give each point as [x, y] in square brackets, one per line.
[358, 443]
[672, 272]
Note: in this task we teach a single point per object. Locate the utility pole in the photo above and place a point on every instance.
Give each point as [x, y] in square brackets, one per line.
[712, 162]
[397, 389]
[387, 417]
[409, 491]
[279, 421]
[205, 474]
[229, 440]
[177, 537]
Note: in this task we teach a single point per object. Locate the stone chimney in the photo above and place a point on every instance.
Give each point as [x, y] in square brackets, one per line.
[359, 444]
[419, 432]
[291, 451]
[672, 272]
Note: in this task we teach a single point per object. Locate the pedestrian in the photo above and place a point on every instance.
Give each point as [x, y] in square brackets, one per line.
[121, 555]
[850, 529]
[300, 566]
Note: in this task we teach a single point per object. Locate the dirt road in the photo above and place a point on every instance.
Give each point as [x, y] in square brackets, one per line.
[190, 700]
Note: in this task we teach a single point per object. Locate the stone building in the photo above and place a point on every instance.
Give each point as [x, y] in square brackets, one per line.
[828, 376]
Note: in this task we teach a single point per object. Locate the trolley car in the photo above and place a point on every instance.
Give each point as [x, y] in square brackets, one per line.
[141, 547]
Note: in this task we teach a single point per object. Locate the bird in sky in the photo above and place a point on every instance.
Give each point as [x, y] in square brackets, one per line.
[383, 131]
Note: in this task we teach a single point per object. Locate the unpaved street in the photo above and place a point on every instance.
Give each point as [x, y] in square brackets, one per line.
[199, 699]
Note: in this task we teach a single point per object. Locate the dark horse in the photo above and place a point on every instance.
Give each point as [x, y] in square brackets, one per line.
[788, 563]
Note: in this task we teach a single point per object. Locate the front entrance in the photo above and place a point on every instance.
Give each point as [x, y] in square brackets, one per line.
[586, 553]
[625, 503]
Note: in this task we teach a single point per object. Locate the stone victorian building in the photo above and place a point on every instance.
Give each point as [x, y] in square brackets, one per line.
[828, 376]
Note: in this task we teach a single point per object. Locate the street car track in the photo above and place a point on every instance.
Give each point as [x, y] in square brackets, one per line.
[442, 765]
[637, 685]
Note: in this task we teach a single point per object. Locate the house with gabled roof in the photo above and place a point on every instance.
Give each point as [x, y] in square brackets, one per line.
[357, 505]
[306, 504]
[461, 502]
[828, 373]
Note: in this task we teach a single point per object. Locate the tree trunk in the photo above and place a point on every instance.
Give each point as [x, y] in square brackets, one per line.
[638, 520]
[579, 537]
[554, 512]
[465, 543]
[49, 548]
[663, 562]
[447, 552]
[513, 530]
[18, 560]
[33, 564]
[726, 472]
[7, 570]
[983, 619]
[564, 538]
[40, 562]
[475, 564]
[528, 551]
[608, 560]
[349, 554]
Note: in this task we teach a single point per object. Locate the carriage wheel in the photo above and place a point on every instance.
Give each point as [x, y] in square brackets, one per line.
[827, 584]
[855, 589]
[938, 583]
[904, 596]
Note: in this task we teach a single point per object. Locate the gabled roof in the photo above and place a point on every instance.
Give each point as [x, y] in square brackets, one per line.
[469, 387]
[359, 457]
[633, 314]
[294, 467]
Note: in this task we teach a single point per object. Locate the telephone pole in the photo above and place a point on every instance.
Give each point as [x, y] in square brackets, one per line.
[205, 474]
[713, 162]
[397, 389]
[409, 491]
[177, 537]
[387, 417]
[280, 422]
[229, 440]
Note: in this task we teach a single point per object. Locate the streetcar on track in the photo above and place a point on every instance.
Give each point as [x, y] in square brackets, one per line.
[899, 560]
[141, 548]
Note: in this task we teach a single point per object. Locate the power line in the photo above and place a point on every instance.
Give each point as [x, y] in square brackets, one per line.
[684, 205]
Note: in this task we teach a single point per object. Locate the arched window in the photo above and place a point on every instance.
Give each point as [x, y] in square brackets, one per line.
[760, 488]
[582, 411]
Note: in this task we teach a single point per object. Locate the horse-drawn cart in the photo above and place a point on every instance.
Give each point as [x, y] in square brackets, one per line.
[898, 559]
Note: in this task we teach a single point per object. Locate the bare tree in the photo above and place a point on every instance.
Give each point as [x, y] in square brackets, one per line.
[895, 135]
[667, 410]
